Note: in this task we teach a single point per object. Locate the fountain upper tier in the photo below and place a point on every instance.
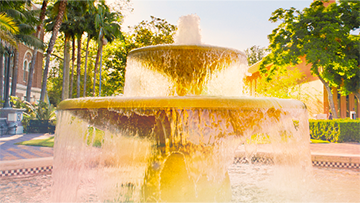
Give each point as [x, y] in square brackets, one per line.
[179, 70]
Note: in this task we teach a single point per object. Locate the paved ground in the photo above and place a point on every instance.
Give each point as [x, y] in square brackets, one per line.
[336, 148]
[10, 151]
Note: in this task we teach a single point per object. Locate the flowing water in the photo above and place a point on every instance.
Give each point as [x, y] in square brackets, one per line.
[174, 133]
[249, 183]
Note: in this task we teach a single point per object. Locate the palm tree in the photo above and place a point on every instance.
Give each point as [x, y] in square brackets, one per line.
[82, 8]
[61, 10]
[33, 60]
[67, 29]
[91, 33]
[109, 29]
[8, 28]
[22, 20]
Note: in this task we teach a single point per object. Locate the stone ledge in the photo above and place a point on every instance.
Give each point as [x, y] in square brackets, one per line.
[25, 163]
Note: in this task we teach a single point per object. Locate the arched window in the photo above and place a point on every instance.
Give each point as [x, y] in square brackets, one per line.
[25, 69]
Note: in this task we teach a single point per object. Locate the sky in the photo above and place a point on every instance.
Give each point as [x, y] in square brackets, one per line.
[237, 24]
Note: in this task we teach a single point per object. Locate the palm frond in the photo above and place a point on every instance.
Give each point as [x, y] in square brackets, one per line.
[15, 14]
[7, 24]
[26, 29]
[9, 38]
[30, 40]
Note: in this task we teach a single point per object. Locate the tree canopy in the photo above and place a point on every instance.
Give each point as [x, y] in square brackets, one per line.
[323, 36]
[255, 54]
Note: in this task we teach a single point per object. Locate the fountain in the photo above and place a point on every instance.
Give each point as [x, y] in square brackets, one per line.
[174, 133]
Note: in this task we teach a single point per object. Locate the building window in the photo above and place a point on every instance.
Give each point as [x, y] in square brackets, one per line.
[348, 106]
[339, 105]
[25, 69]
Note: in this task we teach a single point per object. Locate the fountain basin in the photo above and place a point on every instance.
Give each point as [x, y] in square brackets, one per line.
[168, 148]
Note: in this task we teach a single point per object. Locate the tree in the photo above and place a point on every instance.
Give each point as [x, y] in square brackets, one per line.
[154, 32]
[319, 33]
[58, 21]
[254, 54]
[24, 21]
[8, 28]
[109, 29]
[33, 60]
[91, 33]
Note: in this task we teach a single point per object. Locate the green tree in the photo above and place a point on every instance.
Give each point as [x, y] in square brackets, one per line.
[33, 60]
[107, 23]
[60, 14]
[284, 84]
[25, 20]
[8, 28]
[91, 34]
[319, 33]
[154, 32]
[254, 54]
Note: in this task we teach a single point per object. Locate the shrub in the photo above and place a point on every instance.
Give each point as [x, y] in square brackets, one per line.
[40, 111]
[339, 130]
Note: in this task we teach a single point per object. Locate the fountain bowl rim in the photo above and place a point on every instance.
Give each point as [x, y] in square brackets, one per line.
[184, 47]
[181, 102]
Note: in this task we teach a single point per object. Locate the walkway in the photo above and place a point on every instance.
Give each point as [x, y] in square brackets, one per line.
[10, 151]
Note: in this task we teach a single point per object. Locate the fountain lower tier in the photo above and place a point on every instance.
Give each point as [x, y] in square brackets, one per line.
[168, 148]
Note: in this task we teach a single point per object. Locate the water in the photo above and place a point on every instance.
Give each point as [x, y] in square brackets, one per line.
[249, 183]
[189, 32]
[173, 135]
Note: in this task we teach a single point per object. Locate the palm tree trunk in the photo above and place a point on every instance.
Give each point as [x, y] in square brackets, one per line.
[66, 68]
[33, 60]
[96, 65]
[86, 58]
[55, 32]
[78, 66]
[73, 66]
[1, 76]
[15, 73]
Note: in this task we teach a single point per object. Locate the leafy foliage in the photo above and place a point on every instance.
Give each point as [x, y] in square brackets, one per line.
[114, 59]
[17, 23]
[40, 111]
[322, 35]
[153, 32]
[254, 54]
[339, 130]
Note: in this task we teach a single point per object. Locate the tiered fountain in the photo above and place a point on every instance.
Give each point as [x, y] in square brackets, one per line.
[174, 132]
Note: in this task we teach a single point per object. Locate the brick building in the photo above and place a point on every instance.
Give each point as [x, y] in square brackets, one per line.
[317, 98]
[25, 57]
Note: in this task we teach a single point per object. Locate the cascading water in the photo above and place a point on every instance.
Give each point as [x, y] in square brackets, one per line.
[174, 133]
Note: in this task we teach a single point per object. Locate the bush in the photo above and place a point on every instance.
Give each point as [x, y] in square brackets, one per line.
[339, 130]
[41, 111]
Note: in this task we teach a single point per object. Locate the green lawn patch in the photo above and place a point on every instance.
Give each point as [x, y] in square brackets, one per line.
[318, 141]
[48, 142]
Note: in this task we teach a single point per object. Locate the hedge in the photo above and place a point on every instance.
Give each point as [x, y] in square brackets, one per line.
[339, 130]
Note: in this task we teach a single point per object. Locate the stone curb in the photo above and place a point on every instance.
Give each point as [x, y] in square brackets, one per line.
[39, 165]
[318, 159]
[25, 166]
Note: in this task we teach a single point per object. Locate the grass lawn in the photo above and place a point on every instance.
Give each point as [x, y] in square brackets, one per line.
[318, 141]
[48, 142]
